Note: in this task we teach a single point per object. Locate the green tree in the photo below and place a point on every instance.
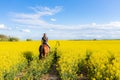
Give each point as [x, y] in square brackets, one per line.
[13, 39]
[3, 37]
[28, 39]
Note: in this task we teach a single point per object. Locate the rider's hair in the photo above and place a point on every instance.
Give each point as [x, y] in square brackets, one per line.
[44, 34]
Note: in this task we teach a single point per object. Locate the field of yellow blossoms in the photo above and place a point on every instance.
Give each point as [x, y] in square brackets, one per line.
[88, 60]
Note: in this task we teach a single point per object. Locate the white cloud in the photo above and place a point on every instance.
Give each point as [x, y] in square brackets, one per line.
[25, 30]
[114, 24]
[3, 27]
[53, 19]
[91, 30]
[46, 11]
[17, 27]
[88, 31]
[36, 17]
[94, 24]
[51, 30]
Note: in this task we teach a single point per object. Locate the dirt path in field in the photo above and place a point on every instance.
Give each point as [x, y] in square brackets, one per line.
[52, 74]
[84, 72]
[83, 77]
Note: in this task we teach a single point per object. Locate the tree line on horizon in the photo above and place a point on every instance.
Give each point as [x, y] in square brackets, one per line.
[9, 38]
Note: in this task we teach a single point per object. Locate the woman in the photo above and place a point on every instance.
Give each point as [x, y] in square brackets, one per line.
[44, 41]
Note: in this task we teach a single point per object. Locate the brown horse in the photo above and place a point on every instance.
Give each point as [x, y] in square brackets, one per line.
[43, 50]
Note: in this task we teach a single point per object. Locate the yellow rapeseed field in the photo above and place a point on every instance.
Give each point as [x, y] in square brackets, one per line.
[93, 60]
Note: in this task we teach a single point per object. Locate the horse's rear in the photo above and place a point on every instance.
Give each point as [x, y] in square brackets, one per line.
[45, 50]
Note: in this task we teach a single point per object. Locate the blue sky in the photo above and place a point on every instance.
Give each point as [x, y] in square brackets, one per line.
[60, 19]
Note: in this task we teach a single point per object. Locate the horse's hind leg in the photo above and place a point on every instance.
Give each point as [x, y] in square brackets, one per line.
[43, 53]
[40, 56]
